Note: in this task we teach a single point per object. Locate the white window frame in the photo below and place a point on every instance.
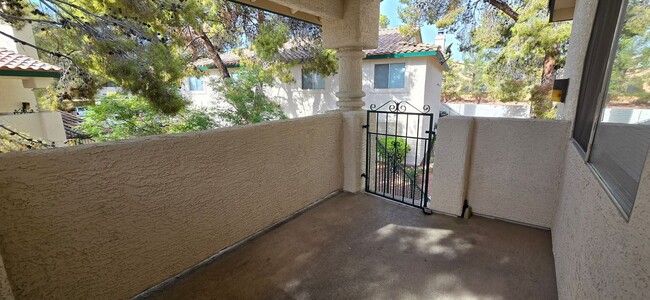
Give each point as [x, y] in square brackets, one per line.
[189, 85]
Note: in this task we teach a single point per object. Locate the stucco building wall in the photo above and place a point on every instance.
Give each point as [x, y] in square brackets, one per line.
[14, 94]
[598, 254]
[109, 220]
[422, 85]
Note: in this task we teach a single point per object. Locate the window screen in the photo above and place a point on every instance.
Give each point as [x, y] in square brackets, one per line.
[389, 76]
[622, 138]
[196, 84]
[312, 81]
[595, 67]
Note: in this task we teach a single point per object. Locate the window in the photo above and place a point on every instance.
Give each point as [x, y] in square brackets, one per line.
[312, 81]
[389, 76]
[196, 84]
[618, 136]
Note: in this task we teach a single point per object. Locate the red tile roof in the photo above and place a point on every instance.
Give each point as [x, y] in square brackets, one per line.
[70, 122]
[391, 41]
[10, 60]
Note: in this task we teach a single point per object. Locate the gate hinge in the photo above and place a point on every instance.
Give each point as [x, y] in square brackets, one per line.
[365, 126]
[364, 175]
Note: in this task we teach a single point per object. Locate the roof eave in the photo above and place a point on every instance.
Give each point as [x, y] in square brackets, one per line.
[29, 73]
[402, 55]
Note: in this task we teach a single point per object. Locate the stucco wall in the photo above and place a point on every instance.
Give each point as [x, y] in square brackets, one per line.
[448, 182]
[583, 18]
[14, 94]
[108, 220]
[516, 168]
[598, 255]
[513, 167]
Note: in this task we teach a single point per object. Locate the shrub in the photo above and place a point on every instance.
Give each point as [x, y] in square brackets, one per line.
[395, 149]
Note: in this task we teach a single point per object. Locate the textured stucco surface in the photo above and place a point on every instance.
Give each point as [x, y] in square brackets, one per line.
[107, 221]
[516, 167]
[598, 255]
[583, 18]
[448, 182]
[357, 29]
[505, 168]
[354, 148]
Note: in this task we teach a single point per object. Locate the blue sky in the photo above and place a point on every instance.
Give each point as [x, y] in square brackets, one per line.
[389, 8]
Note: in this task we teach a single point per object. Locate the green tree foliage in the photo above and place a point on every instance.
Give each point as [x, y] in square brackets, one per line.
[244, 94]
[517, 49]
[142, 46]
[630, 75]
[455, 16]
[383, 21]
[452, 83]
[120, 117]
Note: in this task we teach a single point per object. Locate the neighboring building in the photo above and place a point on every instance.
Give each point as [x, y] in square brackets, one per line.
[20, 73]
[400, 69]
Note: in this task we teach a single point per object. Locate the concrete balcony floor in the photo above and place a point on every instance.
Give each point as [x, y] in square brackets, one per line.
[364, 247]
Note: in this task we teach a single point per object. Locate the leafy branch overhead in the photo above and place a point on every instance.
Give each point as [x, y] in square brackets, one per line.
[515, 52]
[144, 46]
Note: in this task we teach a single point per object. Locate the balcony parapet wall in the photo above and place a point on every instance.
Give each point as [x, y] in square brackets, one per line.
[109, 220]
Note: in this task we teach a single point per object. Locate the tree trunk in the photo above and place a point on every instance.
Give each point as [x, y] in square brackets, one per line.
[548, 74]
[541, 102]
[216, 58]
[504, 7]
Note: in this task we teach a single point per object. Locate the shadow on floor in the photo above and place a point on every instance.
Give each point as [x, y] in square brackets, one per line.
[363, 247]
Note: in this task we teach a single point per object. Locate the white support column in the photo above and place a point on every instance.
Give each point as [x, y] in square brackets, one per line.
[350, 92]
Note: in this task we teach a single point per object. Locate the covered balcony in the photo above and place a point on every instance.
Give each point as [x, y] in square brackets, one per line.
[278, 210]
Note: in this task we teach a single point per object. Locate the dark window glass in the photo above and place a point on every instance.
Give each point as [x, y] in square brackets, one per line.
[312, 81]
[381, 76]
[595, 68]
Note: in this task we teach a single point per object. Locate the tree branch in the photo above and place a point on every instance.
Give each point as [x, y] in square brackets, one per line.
[57, 54]
[504, 7]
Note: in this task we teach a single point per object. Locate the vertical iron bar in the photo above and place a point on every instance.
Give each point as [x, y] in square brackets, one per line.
[417, 143]
[406, 141]
[367, 150]
[393, 169]
[386, 178]
[426, 186]
[376, 148]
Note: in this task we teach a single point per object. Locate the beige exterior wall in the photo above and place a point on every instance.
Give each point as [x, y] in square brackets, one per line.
[109, 220]
[41, 125]
[585, 12]
[422, 85]
[513, 167]
[598, 254]
[14, 94]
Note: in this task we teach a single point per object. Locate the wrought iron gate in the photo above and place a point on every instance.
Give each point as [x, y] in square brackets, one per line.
[398, 152]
